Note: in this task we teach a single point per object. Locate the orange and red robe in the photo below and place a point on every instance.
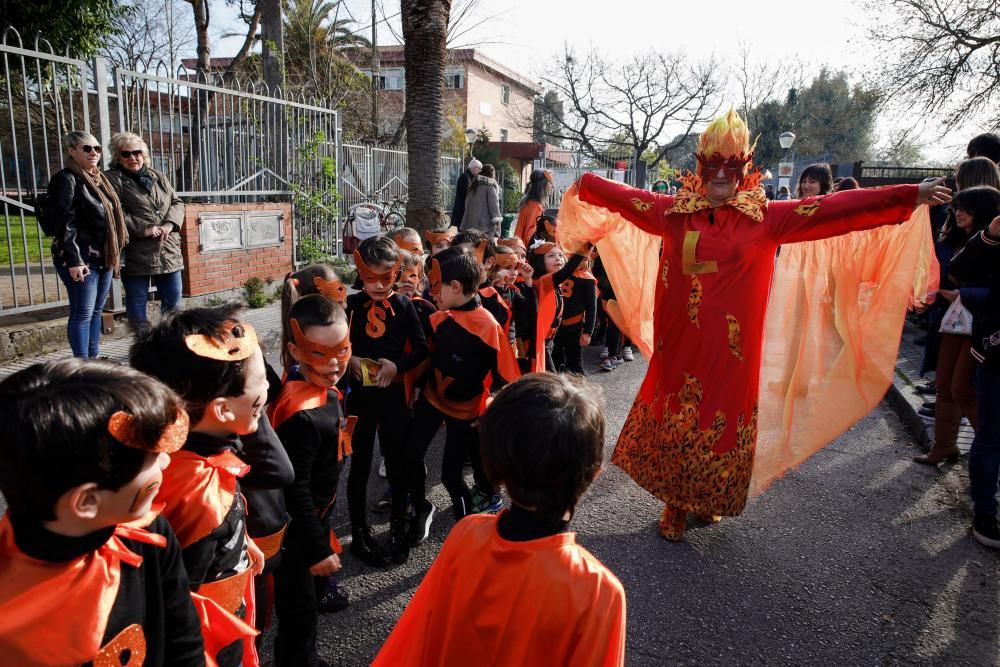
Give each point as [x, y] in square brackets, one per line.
[487, 600]
[690, 437]
[66, 601]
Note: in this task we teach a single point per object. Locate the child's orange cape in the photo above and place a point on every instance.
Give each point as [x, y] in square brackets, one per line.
[547, 306]
[550, 602]
[57, 613]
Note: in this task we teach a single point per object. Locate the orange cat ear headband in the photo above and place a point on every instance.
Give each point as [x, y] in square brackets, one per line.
[512, 243]
[408, 245]
[435, 237]
[480, 252]
[507, 260]
[543, 247]
[237, 341]
[369, 275]
[434, 277]
[122, 427]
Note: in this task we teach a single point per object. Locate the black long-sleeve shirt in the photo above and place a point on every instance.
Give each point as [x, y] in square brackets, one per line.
[312, 440]
[264, 486]
[386, 337]
[155, 594]
[580, 298]
[461, 360]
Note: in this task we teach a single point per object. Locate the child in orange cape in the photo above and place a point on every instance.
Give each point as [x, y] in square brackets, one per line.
[543, 439]
[88, 570]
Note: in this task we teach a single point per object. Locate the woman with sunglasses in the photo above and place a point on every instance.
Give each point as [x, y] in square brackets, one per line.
[153, 214]
[89, 238]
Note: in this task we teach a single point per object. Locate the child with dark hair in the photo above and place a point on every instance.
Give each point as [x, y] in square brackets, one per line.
[313, 279]
[543, 440]
[88, 568]
[440, 239]
[579, 293]
[985, 145]
[310, 423]
[546, 229]
[388, 343]
[213, 361]
[485, 251]
[511, 278]
[551, 269]
[470, 354]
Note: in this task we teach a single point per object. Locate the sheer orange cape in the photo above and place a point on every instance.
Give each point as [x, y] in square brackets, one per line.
[832, 325]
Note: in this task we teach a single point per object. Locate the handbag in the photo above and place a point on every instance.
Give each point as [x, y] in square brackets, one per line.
[957, 319]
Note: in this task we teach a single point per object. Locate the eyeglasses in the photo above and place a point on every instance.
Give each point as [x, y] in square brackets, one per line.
[128, 154]
[87, 149]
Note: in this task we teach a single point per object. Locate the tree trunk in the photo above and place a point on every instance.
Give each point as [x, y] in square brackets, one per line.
[425, 34]
[272, 43]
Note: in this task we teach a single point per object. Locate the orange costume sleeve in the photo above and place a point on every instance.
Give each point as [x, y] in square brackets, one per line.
[527, 221]
[36, 625]
[488, 600]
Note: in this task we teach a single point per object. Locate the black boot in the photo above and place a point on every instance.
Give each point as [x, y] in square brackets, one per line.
[366, 548]
[399, 546]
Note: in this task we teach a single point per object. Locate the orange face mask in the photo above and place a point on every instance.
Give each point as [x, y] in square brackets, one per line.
[435, 238]
[237, 341]
[331, 289]
[369, 275]
[434, 278]
[122, 427]
[319, 353]
[409, 245]
[480, 251]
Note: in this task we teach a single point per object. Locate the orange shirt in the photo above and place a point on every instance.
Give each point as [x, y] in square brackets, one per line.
[487, 600]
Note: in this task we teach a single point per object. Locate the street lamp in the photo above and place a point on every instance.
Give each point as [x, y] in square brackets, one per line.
[470, 137]
[785, 170]
[786, 139]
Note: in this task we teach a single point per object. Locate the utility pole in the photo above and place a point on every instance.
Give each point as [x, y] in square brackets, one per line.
[375, 76]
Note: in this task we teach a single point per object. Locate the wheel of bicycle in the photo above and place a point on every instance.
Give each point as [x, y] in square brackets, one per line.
[393, 221]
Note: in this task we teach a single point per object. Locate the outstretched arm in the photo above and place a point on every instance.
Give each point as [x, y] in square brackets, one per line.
[644, 209]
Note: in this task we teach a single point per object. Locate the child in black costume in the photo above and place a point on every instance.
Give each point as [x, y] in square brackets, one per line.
[551, 269]
[579, 294]
[388, 342]
[89, 568]
[470, 353]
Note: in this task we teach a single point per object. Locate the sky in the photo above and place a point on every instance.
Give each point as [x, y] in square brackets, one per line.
[525, 35]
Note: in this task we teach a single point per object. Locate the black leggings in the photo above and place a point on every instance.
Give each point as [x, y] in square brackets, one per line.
[566, 350]
[382, 410]
[296, 603]
[614, 340]
[461, 438]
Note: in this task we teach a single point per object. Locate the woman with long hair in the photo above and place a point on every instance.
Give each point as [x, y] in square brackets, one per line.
[815, 180]
[533, 204]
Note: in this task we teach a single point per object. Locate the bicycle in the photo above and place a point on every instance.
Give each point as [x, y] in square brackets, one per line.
[371, 218]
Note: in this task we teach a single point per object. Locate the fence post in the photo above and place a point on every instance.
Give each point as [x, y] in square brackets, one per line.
[104, 135]
[338, 148]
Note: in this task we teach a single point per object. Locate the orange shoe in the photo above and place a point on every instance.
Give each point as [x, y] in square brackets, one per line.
[673, 523]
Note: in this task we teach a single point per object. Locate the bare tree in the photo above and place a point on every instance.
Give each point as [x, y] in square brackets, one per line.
[757, 83]
[943, 56]
[150, 32]
[425, 28]
[635, 104]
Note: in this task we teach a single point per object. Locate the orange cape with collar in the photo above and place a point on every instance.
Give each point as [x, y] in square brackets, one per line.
[57, 613]
[547, 307]
[491, 293]
[481, 324]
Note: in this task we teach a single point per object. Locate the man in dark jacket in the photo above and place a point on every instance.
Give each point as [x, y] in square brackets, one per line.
[462, 188]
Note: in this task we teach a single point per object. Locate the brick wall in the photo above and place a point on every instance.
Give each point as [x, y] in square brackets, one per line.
[209, 272]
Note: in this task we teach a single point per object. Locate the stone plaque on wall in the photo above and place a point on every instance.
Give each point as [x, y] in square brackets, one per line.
[264, 229]
[220, 231]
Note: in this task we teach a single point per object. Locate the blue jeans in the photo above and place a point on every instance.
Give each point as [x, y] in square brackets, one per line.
[984, 457]
[168, 287]
[86, 301]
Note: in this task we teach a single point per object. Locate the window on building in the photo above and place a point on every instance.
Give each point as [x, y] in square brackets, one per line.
[454, 80]
[505, 93]
[503, 135]
[390, 80]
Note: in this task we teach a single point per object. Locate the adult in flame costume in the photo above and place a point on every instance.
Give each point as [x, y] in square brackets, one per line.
[697, 309]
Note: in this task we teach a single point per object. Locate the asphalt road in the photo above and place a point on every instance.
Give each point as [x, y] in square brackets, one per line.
[860, 557]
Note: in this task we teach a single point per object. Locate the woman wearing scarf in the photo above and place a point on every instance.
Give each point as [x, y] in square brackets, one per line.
[153, 215]
[90, 235]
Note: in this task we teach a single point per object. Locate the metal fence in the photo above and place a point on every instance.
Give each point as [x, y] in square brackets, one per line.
[568, 165]
[218, 139]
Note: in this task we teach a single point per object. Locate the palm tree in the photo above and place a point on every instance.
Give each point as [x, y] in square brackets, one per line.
[316, 38]
[425, 33]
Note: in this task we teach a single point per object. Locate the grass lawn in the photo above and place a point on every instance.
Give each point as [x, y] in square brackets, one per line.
[32, 232]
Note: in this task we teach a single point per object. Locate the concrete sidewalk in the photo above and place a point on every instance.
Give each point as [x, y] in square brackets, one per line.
[265, 320]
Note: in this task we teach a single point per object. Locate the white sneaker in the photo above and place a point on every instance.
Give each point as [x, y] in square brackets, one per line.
[381, 469]
[604, 353]
[627, 354]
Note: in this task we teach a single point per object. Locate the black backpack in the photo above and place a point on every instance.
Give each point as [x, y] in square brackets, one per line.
[43, 214]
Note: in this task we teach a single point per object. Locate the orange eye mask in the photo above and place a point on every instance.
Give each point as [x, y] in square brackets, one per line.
[506, 261]
[440, 237]
[319, 352]
[514, 243]
[122, 427]
[434, 277]
[331, 289]
[409, 245]
[369, 275]
[236, 342]
[410, 275]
